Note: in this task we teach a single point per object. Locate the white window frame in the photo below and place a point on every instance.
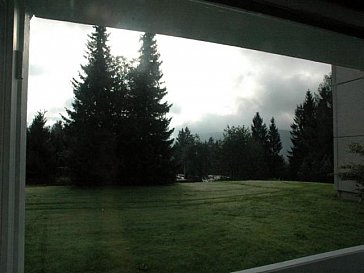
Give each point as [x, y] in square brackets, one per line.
[13, 111]
[320, 45]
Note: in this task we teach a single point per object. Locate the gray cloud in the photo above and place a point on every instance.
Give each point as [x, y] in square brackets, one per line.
[280, 97]
[55, 113]
[68, 103]
[277, 97]
[279, 83]
[176, 109]
[36, 70]
[239, 80]
[213, 123]
[282, 84]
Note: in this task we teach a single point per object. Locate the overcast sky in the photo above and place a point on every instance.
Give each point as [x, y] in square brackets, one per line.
[209, 85]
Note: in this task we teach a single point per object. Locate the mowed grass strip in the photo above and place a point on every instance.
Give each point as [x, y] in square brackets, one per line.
[197, 227]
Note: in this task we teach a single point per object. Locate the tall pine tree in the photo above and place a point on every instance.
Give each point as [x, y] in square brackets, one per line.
[260, 136]
[325, 146]
[311, 157]
[90, 123]
[58, 145]
[38, 169]
[276, 161]
[304, 139]
[182, 150]
[150, 155]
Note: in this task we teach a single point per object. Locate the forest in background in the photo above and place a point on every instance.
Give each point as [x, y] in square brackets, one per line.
[117, 132]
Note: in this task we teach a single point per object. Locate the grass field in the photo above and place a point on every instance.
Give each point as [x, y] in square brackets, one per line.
[200, 227]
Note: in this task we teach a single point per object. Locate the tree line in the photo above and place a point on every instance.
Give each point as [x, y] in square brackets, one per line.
[117, 132]
[243, 153]
[255, 152]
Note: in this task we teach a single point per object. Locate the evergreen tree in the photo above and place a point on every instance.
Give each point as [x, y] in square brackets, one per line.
[241, 154]
[260, 136]
[90, 123]
[276, 161]
[311, 157]
[197, 160]
[214, 156]
[38, 168]
[298, 151]
[182, 148]
[259, 130]
[193, 157]
[304, 139]
[325, 145]
[150, 160]
[58, 146]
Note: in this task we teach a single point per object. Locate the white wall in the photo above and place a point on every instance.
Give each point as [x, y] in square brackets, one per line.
[348, 120]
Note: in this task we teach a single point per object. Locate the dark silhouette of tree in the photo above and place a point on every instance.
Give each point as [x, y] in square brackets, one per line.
[259, 130]
[311, 157]
[58, 151]
[182, 150]
[325, 145]
[241, 155]
[194, 158]
[303, 137]
[38, 167]
[90, 124]
[260, 136]
[214, 156]
[150, 155]
[276, 161]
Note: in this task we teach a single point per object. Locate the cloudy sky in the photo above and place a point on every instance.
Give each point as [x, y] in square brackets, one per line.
[209, 85]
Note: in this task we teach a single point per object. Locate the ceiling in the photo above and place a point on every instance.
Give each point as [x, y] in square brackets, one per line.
[318, 30]
[341, 16]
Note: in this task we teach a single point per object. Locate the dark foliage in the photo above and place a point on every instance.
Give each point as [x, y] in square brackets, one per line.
[260, 136]
[150, 152]
[311, 157]
[241, 154]
[39, 151]
[196, 159]
[90, 123]
[275, 160]
[183, 147]
[214, 155]
[117, 132]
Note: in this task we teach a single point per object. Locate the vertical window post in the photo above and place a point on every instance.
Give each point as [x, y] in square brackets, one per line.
[14, 45]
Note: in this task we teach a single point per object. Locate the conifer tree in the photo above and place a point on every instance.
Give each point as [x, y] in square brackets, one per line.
[325, 147]
[276, 161]
[259, 130]
[241, 154]
[90, 123]
[58, 146]
[311, 157]
[184, 143]
[304, 139]
[38, 169]
[150, 160]
[214, 156]
[260, 136]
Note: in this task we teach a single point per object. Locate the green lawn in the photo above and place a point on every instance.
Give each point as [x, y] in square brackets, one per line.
[200, 227]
